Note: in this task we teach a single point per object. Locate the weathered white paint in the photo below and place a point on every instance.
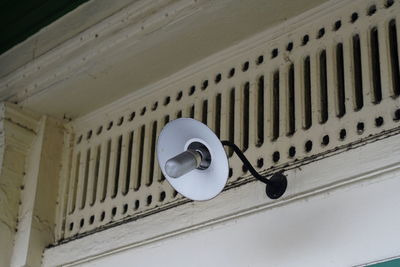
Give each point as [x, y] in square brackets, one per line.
[116, 125]
[321, 177]
[57, 33]
[351, 225]
[62, 194]
[36, 220]
[31, 160]
[17, 132]
[54, 84]
[27, 200]
[137, 46]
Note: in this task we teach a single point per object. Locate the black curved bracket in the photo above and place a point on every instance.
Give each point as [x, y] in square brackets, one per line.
[276, 185]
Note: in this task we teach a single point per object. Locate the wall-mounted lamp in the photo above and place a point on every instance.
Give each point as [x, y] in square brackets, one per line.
[193, 160]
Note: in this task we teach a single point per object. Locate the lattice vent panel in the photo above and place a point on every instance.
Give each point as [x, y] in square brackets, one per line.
[327, 84]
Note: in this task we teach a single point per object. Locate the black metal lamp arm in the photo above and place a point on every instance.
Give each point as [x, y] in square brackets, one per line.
[246, 162]
[276, 185]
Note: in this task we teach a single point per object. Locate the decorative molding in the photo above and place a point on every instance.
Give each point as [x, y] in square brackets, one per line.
[18, 126]
[249, 44]
[19, 116]
[121, 30]
[138, 19]
[238, 106]
[315, 178]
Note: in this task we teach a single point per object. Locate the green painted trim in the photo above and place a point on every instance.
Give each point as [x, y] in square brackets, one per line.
[20, 19]
[389, 263]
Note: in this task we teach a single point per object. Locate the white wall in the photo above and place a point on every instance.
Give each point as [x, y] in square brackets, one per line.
[351, 225]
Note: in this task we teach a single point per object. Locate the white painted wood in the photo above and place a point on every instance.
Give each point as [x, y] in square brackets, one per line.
[227, 218]
[28, 196]
[218, 61]
[308, 179]
[318, 177]
[42, 228]
[18, 130]
[106, 54]
[350, 225]
[63, 206]
[115, 119]
[59, 32]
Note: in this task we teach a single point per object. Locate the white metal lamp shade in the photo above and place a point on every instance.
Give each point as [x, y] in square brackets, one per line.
[197, 184]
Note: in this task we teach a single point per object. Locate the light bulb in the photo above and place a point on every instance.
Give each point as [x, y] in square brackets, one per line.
[183, 163]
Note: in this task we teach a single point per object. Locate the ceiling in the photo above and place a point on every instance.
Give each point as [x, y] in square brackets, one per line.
[19, 19]
[105, 50]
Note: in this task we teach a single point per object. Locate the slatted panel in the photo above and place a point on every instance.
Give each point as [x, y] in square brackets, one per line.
[323, 87]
